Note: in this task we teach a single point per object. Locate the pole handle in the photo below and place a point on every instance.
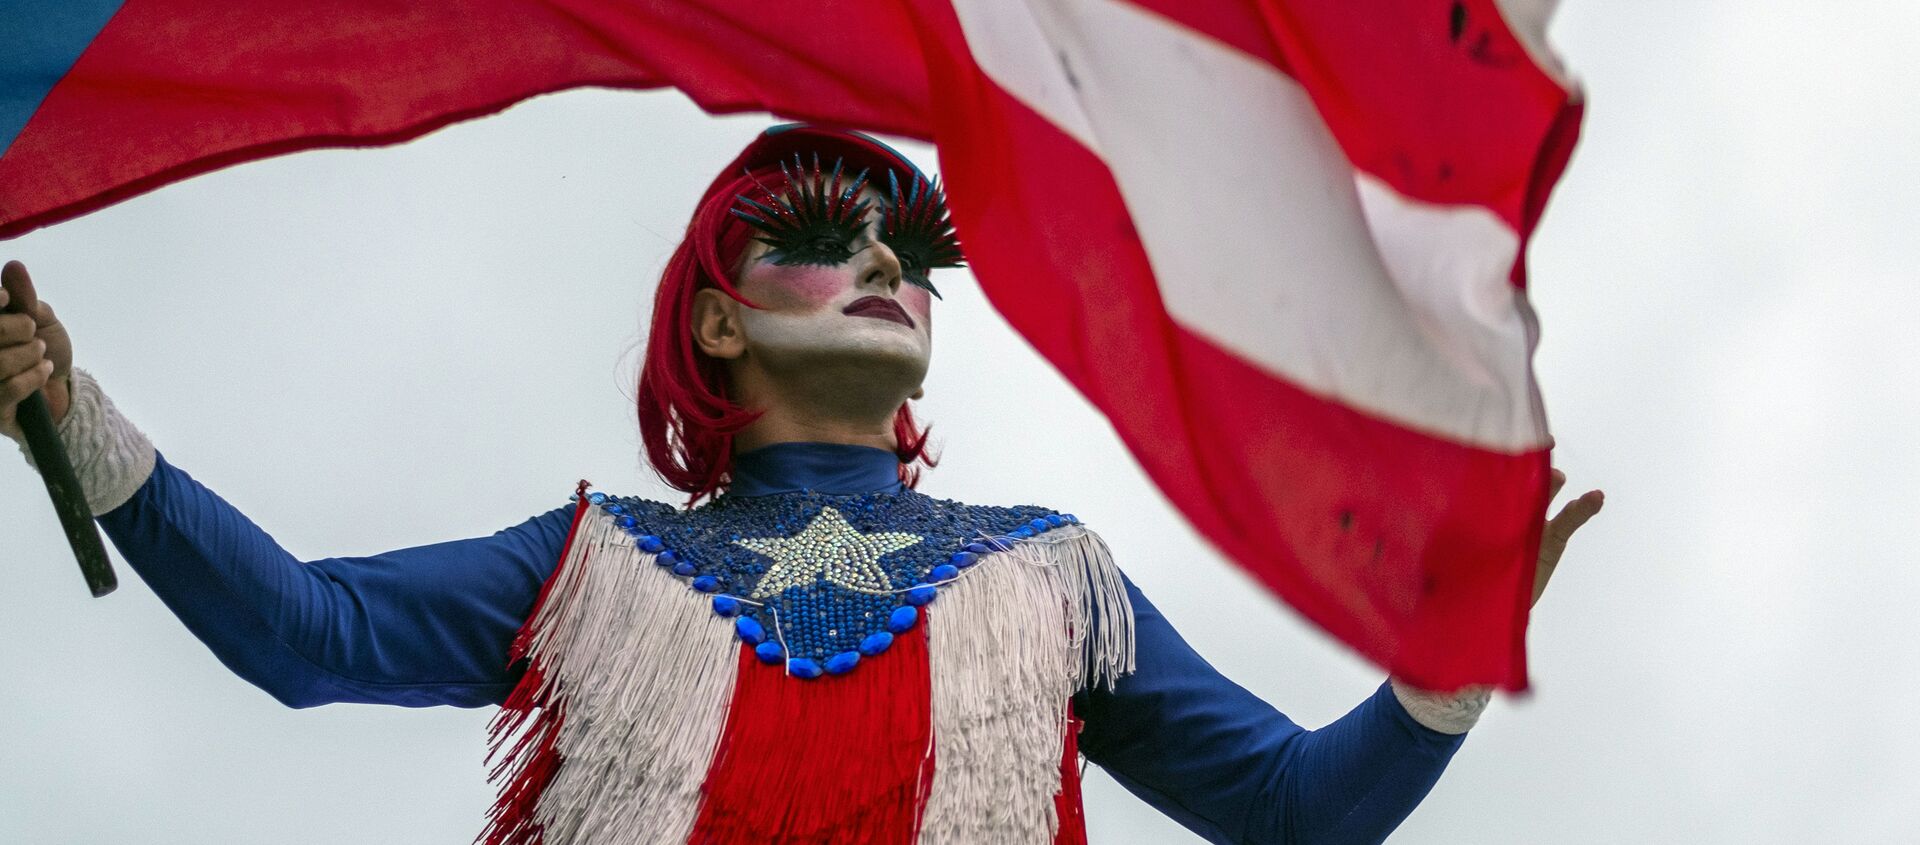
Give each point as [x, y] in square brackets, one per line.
[69, 501]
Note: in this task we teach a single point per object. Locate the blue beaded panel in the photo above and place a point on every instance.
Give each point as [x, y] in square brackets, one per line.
[833, 576]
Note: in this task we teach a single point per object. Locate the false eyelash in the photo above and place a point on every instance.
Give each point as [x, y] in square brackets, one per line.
[811, 221]
[917, 229]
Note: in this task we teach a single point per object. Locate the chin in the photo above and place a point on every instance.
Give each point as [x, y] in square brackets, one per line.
[865, 361]
[896, 361]
[809, 337]
[891, 341]
[863, 357]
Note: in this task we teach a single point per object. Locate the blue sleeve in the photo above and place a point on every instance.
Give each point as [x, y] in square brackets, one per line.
[416, 627]
[1232, 769]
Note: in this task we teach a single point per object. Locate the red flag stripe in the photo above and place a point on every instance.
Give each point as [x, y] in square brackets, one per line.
[1445, 101]
[174, 88]
[1441, 100]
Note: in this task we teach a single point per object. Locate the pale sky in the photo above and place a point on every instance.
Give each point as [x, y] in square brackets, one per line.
[371, 349]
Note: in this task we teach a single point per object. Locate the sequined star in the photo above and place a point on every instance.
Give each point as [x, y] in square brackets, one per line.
[831, 550]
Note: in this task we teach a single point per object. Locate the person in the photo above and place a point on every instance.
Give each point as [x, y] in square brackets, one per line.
[807, 649]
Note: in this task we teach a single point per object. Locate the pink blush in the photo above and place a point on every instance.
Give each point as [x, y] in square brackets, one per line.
[807, 286]
[918, 303]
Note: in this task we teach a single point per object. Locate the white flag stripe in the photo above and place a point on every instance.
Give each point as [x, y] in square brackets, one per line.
[1527, 20]
[1270, 253]
[1007, 43]
[1451, 264]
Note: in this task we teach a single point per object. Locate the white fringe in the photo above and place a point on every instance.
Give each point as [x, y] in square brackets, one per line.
[1009, 644]
[645, 670]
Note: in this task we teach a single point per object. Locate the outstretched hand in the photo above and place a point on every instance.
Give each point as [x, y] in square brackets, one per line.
[1553, 541]
[35, 351]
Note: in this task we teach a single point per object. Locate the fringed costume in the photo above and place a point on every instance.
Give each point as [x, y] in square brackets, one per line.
[816, 667]
[818, 655]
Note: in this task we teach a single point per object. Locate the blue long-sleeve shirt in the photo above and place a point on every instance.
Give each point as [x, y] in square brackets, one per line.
[432, 625]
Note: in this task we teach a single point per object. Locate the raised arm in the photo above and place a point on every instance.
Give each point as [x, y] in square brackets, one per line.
[1231, 768]
[415, 627]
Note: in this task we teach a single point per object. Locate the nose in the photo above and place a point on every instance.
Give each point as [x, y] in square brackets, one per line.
[882, 268]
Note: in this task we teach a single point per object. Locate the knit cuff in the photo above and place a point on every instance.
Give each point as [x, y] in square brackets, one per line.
[1448, 713]
[110, 456]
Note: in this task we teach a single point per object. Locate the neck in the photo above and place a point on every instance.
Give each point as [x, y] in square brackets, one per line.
[820, 467]
[849, 411]
[783, 424]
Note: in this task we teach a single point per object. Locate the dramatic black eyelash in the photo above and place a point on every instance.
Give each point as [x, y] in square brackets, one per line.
[917, 229]
[813, 221]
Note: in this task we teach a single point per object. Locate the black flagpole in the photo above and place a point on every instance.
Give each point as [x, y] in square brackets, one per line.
[69, 501]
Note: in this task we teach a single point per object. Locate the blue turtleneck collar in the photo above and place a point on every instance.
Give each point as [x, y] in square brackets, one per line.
[836, 468]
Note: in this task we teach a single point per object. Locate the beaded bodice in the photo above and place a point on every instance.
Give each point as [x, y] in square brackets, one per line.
[822, 580]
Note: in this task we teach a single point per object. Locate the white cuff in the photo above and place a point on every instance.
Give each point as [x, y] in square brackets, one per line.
[110, 456]
[1448, 713]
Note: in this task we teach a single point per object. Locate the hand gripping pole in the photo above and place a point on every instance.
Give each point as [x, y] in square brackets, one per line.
[69, 501]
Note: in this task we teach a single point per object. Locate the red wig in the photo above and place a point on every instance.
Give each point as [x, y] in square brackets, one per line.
[687, 416]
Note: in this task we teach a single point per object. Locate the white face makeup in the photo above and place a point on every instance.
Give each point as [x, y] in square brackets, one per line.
[847, 313]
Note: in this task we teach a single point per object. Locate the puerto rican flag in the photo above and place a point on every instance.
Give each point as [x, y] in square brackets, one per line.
[1280, 243]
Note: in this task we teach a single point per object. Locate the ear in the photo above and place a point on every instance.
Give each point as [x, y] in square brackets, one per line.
[717, 329]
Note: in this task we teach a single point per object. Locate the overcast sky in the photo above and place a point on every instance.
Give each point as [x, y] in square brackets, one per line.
[366, 350]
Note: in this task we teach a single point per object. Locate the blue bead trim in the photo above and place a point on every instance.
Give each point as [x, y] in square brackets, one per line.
[876, 643]
[842, 663]
[902, 619]
[749, 630]
[829, 628]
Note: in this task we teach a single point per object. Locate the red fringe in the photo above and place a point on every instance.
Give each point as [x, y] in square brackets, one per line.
[845, 760]
[1073, 817]
[533, 760]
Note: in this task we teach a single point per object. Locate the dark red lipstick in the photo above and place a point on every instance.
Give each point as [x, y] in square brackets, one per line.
[879, 307]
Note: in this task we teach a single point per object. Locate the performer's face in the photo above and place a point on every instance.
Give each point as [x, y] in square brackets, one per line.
[858, 309]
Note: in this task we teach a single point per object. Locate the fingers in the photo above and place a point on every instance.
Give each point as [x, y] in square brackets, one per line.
[25, 365]
[18, 296]
[14, 279]
[1559, 529]
[1575, 514]
[21, 356]
[16, 329]
[22, 385]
